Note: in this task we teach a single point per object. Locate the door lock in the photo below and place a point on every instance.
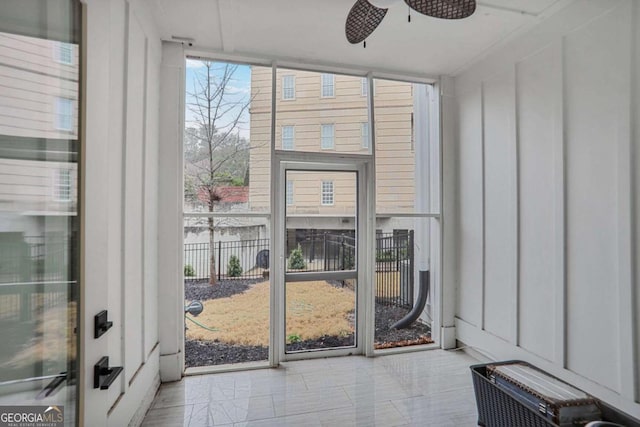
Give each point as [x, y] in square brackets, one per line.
[101, 324]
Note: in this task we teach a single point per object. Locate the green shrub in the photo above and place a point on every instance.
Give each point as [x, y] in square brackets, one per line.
[234, 269]
[293, 338]
[348, 261]
[237, 182]
[189, 271]
[296, 261]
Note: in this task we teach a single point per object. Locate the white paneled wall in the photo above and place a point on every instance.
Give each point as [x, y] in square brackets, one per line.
[471, 228]
[121, 198]
[547, 186]
[539, 177]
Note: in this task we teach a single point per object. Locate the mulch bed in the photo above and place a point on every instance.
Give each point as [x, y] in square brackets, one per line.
[205, 353]
[202, 290]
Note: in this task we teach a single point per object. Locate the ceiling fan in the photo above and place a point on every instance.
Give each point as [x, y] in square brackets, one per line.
[366, 15]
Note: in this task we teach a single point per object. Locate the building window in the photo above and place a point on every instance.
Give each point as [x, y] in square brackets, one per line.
[364, 133]
[288, 87]
[63, 53]
[326, 137]
[364, 87]
[327, 193]
[328, 85]
[289, 194]
[62, 185]
[64, 114]
[287, 137]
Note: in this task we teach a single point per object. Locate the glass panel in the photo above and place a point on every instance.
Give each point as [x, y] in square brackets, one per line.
[407, 182]
[39, 222]
[406, 161]
[227, 129]
[229, 274]
[321, 237]
[327, 111]
[226, 170]
[406, 261]
[321, 315]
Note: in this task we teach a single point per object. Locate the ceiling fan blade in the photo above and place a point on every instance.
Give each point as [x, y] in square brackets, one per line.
[362, 20]
[444, 9]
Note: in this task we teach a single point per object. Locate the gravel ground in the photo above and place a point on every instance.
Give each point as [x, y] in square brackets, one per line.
[204, 353]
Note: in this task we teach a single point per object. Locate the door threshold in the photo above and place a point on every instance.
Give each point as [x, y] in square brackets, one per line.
[231, 367]
[406, 349]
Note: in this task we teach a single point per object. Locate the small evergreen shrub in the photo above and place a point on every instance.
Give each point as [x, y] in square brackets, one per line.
[348, 261]
[293, 338]
[296, 260]
[189, 271]
[234, 269]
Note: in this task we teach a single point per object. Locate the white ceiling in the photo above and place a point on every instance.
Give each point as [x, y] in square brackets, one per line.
[312, 32]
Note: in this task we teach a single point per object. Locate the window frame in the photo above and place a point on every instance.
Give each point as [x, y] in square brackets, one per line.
[324, 85]
[323, 137]
[284, 87]
[58, 48]
[293, 137]
[365, 139]
[60, 117]
[60, 187]
[289, 193]
[323, 193]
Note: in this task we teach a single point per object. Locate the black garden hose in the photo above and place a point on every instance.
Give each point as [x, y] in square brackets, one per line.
[418, 307]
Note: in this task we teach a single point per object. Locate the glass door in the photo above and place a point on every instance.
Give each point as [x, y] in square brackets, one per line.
[39, 207]
[320, 236]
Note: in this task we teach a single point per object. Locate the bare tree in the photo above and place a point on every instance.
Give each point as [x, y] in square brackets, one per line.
[213, 142]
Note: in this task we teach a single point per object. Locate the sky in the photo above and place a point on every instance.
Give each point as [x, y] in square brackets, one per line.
[240, 89]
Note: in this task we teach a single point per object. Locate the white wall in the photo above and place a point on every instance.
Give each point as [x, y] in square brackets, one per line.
[547, 208]
[120, 245]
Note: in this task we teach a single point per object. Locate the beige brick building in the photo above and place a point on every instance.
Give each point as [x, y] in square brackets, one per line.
[38, 132]
[328, 113]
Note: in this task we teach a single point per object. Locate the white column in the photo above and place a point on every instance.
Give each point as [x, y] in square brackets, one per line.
[422, 179]
[171, 285]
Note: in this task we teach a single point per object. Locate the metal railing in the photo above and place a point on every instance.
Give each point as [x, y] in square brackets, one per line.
[241, 259]
[322, 251]
[311, 251]
[395, 268]
[35, 275]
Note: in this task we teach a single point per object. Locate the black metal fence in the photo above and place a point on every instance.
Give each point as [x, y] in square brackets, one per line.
[395, 268]
[35, 275]
[312, 250]
[241, 259]
[322, 251]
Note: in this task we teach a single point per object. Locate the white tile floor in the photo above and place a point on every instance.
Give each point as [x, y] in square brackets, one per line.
[429, 388]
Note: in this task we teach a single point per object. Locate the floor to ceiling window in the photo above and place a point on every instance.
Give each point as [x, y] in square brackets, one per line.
[226, 212]
[407, 214]
[317, 148]
[39, 205]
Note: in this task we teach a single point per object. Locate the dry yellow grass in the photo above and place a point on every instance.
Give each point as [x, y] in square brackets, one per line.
[314, 309]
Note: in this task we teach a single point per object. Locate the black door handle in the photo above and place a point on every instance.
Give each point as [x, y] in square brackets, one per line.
[103, 374]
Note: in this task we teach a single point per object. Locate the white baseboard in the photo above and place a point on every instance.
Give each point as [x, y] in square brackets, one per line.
[146, 403]
[448, 337]
[170, 368]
